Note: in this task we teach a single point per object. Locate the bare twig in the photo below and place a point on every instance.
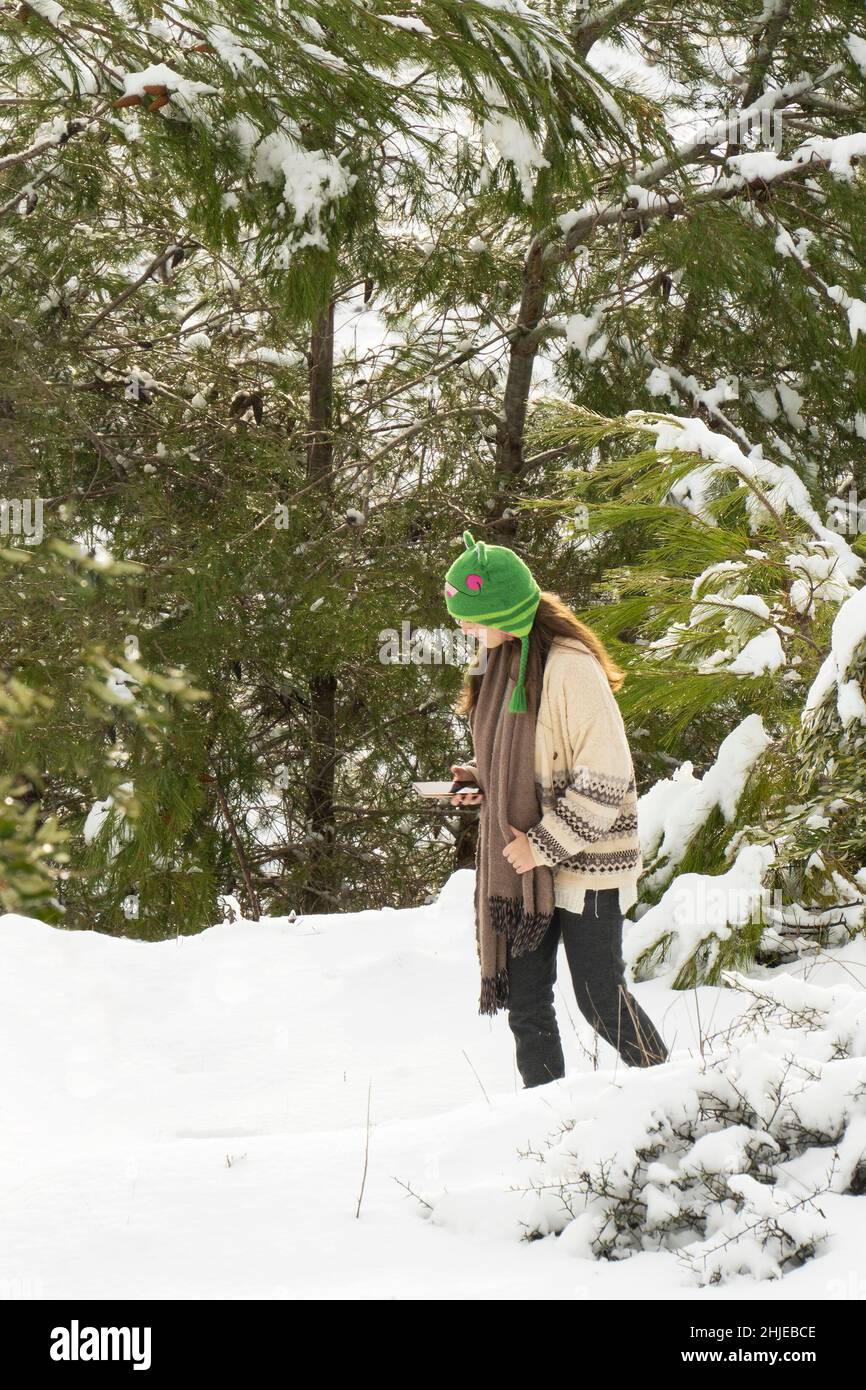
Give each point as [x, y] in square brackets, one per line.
[366, 1151]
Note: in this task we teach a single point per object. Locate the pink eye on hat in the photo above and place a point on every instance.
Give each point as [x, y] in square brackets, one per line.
[449, 590]
[473, 582]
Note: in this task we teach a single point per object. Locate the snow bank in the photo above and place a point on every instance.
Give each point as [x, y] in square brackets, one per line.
[189, 1118]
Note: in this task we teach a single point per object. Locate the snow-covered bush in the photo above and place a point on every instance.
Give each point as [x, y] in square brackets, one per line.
[720, 1159]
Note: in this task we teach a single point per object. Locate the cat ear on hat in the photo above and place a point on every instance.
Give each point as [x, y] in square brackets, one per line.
[479, 547]
[475, 556]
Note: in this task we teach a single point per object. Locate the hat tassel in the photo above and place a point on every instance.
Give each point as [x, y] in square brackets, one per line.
[517, 703]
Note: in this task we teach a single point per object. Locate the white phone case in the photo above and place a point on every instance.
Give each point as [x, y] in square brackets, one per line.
[439, 789]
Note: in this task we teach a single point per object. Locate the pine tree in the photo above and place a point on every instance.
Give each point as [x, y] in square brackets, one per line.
[190, 196]
[492, 195]
[71, 724]
[720, 268]
[745, 652]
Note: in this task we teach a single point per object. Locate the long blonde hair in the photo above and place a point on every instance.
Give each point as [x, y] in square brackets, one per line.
[553, 618]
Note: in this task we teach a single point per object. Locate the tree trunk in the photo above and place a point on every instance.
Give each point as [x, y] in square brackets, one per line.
[321, 885]
[509, 443]
[524, 344]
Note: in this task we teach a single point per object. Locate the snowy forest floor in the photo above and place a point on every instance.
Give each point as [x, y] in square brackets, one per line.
[188, 1119]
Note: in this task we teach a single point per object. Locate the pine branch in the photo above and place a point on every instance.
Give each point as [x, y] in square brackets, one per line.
[52, 142]
[774, 22]
[598, 23]
[130, 290]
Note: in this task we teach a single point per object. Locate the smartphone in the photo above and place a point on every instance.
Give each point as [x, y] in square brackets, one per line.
[444, 789]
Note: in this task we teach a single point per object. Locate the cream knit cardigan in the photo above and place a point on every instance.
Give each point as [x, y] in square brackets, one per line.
[585, 782]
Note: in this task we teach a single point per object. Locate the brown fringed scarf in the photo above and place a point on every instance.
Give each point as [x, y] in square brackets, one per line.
[509, 907]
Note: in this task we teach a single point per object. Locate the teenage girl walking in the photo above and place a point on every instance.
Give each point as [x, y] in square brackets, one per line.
[558, 853]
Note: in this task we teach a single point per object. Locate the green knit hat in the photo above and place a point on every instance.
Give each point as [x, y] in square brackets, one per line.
[490, 585]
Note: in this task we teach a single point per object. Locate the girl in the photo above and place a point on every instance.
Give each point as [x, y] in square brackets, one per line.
[558, 853]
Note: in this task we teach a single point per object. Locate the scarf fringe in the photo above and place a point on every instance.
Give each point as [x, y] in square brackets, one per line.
[494, 993]
[524, 930]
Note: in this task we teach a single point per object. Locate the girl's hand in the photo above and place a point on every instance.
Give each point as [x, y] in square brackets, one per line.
[518, 852]
[465, 774]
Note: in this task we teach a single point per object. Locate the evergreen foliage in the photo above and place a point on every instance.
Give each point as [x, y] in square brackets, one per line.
[742, 645]
[272, 332]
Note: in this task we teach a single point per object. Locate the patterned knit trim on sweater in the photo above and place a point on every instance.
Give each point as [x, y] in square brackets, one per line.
[585, 781]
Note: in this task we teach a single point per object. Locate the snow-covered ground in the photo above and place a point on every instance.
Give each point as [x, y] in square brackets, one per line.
[189, 1118]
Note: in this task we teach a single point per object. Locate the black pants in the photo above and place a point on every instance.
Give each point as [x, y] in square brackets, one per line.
[593, 948]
